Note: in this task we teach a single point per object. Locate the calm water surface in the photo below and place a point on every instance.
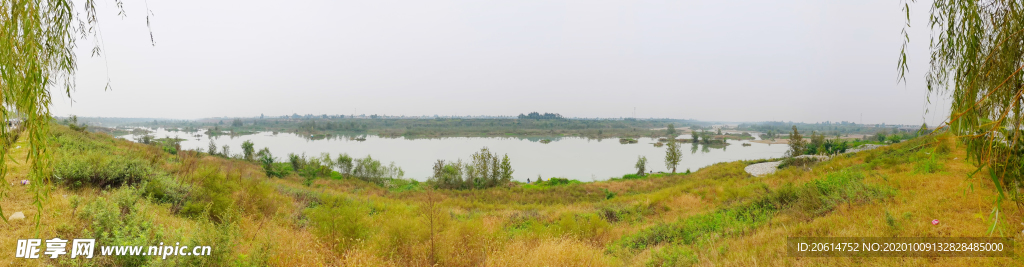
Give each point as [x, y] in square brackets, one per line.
[575, 158]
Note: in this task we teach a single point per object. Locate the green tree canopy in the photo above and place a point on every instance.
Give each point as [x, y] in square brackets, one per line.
[797, 145]
[673, 155]
[641, 166]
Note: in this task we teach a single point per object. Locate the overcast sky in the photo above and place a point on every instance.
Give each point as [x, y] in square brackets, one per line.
[708, 60]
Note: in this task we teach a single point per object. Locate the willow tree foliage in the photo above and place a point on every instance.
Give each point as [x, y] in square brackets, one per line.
[977, 54]
[673, 155]
[797, 145]
[37, 58]
[641, 166]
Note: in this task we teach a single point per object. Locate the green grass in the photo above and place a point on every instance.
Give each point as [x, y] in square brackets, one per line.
[813, 198]
[717, 215]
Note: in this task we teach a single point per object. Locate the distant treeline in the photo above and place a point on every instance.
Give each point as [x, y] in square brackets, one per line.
[108, 122]
[826, 128]
[538, 116]
[534, 124]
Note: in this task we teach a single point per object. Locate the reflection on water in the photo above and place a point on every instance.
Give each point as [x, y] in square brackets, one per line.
[575, 158]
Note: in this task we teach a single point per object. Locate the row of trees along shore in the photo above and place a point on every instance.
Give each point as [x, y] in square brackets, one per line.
[673, 154]
[484, 170]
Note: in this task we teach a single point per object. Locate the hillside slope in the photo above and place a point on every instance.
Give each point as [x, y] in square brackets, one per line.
[124, 193]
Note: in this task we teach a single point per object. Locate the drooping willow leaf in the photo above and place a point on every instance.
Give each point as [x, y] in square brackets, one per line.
[977, 54]
[37, 42]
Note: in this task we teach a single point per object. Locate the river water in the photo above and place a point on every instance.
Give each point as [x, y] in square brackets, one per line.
[575, 158]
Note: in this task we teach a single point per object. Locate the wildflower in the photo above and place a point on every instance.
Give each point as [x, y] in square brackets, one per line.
[935, 222]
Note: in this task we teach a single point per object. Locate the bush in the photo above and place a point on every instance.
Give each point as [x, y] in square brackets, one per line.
[213, 197]
[266, 160]
[118, 220]
[823, 195]
[631, 176]
[815, 197]
[222, 239]
[555, 181]
[928, 165]
[82, 159]
[797, 162]
[340, 222]
[722, 223]
[673, 256]
[165, 189]
[344, 164]
[296, 161]
[486, 170]
[99, 169]
[590, 227]
[448, 175]
[260, 198]
[371, 170]
[169, 145]
[399, 236]
[248, 151]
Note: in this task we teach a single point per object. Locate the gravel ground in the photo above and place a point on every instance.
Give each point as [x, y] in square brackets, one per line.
[761, 169]
[862, 148]
[766, 168]
[819, 157]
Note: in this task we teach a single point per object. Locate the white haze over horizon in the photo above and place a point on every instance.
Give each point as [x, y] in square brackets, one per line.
[803, 61]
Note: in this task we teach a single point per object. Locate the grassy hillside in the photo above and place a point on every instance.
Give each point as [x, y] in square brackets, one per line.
[126, 193]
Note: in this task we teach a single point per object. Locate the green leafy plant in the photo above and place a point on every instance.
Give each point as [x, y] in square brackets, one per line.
[673, 155]
[248, 152]
[641, 166]
[266, 160]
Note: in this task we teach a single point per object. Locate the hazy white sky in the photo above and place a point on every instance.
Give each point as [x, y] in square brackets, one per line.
[708, 60]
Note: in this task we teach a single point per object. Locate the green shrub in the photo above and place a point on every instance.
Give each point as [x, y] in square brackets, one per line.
[485, 170]
[631, 176]
[118, 220]
[586, 226]
[296, 161]
[212, 199]
[815, 197]
[371, 170]
[555, 181]
[797, 162]
[169, 145]
[84, 159]
[165, 189]
[222, 239]
[405, 185]
[696, 228]
[608, 194]
[266, 160]
[340, 222]
[630, 214]
[98, 169]
[673, 256]
[928, 165]
[823, 195]
[258, 197]
[398, 236]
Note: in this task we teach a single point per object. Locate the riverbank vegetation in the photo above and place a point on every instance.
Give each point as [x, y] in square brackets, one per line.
[319, 127]
[719, 214]
[832, 129]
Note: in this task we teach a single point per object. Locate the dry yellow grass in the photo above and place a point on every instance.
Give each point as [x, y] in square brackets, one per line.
[475, 230]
